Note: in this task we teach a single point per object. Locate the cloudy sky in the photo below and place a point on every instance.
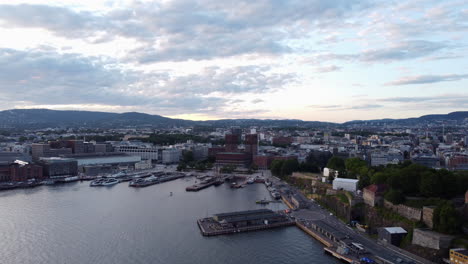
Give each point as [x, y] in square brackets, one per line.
[327, 60]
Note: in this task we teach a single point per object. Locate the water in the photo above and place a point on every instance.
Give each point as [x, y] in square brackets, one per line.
[74, 223]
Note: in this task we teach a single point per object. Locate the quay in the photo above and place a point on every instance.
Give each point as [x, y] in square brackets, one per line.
[205, 184]
[140, 182]
[244, 221]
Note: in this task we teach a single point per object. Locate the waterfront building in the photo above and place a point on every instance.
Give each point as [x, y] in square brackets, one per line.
[59, 167]
[145, 152]
[170, 156]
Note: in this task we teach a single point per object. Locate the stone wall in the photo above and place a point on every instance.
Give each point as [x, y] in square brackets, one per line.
[430, 239]
[428, 215]
[405, 211]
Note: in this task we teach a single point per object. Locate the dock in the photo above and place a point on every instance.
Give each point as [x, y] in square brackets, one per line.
[199, 186]
[244, 221]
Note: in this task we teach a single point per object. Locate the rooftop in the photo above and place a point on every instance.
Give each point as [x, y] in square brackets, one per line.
[395, 230]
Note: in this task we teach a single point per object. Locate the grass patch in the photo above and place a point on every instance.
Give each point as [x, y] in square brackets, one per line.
[343, 198]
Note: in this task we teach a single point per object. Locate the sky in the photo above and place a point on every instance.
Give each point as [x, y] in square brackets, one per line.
[316, 60]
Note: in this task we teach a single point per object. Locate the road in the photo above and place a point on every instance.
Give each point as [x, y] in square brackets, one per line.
[314, 212]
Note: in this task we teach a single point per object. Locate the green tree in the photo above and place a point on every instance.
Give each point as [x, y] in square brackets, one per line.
[187, 156]
[354, 165]
[395, 196]
[364, 181]
[182, 166]
[430, 185]
[446, 219]
[336, 163]
[288, 167]
[379, 178]
[275, 167]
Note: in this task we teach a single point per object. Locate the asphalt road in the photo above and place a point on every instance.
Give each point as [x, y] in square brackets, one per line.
[315, 212]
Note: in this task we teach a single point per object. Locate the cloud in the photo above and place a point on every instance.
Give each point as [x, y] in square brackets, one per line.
[326, 69]
[257, 101]
[346, 107]
[428, 103]
[45, 77]
[424, 79]
[402, 51]
[182, 29]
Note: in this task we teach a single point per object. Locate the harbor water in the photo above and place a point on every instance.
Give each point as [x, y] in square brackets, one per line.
[74, 224]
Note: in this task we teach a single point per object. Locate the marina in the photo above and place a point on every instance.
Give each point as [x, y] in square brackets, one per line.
[130, 226]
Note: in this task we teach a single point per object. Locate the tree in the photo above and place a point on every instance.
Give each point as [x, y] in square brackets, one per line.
[431, 184]
[446, 219]
[354, 165]
[182, 166]
[336, 163]
[395, 196]
[288, 167]
[379, 178]
[319, 158]
[187, 156]
[364, 181]
[275, 167]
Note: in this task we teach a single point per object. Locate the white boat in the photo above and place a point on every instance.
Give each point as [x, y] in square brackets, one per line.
[119, 174]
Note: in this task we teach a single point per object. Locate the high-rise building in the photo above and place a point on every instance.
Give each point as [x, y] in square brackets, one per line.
[251, 144]
[232, 142]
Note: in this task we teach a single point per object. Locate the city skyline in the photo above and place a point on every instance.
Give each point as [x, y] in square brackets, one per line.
[316, 61]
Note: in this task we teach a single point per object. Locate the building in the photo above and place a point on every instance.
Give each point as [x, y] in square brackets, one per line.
[146, 153]
[349, 185]
[458, 256]
[282, 141]
[232, 142]
[18, 171]
[59, 167]
[250, 218]
[251, 144]
[373, 194]
[428, 161]
[39, 150]
[237, 159]
[383, 159]
[170, 156]
[23, 171]
[392, 235]
[200, 152]
[143, 165]
[458, 161]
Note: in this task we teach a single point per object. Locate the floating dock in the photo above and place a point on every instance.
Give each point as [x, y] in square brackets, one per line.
[244, 221]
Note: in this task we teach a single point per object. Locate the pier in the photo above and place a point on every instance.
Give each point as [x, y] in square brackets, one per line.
[244, 221]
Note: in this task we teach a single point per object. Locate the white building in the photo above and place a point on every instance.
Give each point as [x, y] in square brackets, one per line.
[345, 184]
[143, 165]
[143, 151]
[171, 156]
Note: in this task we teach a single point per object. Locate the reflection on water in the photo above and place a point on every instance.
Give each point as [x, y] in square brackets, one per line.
[74, 223]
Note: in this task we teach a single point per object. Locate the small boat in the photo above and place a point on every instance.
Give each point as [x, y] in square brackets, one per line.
[263, 201]
[250, 180]
[170, 194]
